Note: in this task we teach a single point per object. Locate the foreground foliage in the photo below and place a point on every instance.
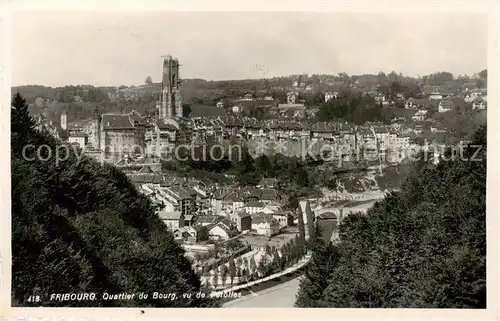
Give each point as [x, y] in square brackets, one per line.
[424, 247]
[79, 227]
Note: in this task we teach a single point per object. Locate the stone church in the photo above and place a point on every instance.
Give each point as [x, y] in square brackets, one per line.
[116, 135]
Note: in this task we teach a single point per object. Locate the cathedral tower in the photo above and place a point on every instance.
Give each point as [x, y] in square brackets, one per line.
[170, 104]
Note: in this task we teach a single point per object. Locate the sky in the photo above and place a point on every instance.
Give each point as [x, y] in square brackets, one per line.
[111, 48]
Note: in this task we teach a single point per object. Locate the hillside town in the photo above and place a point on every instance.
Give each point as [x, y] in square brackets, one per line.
[231, 233]
[320, 158]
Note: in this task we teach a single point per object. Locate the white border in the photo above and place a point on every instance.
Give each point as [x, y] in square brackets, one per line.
[490, 6]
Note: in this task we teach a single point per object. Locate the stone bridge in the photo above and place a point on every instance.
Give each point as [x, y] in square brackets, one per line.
[329, 213]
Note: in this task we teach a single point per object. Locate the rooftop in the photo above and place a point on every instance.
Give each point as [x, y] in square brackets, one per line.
[116, 121]
[169, 215]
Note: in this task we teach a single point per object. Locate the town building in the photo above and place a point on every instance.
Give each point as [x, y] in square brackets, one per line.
[292, 97]
[173, 220]
[263, 224]
[436, 95]
[478, 103]
[242, 220]
[284, 219]
[254, 207]
[330, 95]
[78, 138]
[445, 105]
[420, 115]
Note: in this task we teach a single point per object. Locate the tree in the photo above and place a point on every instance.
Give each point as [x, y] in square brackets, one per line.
[244, 274]
[286, 255]
[483, 74]
[215, 279]
[21, 123]
[302, 231]
[238, 274]
[148, 80]
[317, 274]
[224, 273]
[86, 226]
[252, 266]
[64, 135]
[186, 110]
[381, 78]
[263, 267]
[203, 234]
[232, 270]
[239, 261]
[276, 261]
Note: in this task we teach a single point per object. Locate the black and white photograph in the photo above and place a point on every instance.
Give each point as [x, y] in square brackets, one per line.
[246, 159]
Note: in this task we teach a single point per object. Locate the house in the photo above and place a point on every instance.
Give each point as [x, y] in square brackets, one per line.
[274, 207]
[284, 219]
[445, 105]
[247, 96]
[181, 233]
[269, 195]
[242, 220]
[410, 103]
[189, 220]
[206, 220]
[291, 97]
[263, 224]
[478, 103]
[217, 199]
[473, 95]
[236, 109]
[268, 183]
[436, 95]
[219, 232]
[380, 98]
[227, 223]
[419, 115]
[184, 200]
[173, 220]
[330, 95]
[78, 138]
[254, 207]
[402, 142]
[193, 232]
[232, 202]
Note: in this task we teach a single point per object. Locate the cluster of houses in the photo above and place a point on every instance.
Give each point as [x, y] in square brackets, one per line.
[108, 133]
[188, 207]
[443, 103]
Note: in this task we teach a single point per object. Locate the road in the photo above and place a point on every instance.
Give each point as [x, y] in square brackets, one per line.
[279, 296]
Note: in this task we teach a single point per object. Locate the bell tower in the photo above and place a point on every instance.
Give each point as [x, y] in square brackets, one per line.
[170, 104]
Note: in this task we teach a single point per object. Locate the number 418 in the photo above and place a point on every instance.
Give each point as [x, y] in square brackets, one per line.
[34, 298]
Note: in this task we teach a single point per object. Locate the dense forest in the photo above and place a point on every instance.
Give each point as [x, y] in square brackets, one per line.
[79, 226]
[422, 247]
